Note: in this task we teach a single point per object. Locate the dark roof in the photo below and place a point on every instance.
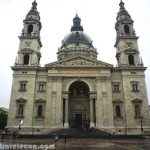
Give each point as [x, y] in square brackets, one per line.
[33, 10]
[77, 36]
[123, 11]
[3, 109]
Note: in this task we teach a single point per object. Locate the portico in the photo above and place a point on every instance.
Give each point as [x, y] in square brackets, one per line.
[78, 106]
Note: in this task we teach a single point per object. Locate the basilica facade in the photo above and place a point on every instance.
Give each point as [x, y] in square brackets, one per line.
[78, 90]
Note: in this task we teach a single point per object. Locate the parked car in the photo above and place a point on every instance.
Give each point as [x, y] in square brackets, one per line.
[2, 132]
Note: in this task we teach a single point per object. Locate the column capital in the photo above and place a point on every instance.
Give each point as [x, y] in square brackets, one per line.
[65, 98]
[65, 95]
[93, 95]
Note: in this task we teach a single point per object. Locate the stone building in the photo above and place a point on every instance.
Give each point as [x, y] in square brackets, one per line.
[3, 110]
[78, 90]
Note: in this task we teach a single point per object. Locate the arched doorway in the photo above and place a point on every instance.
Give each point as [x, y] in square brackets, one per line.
[79, 105]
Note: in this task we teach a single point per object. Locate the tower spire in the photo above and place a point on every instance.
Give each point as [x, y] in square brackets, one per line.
[33, 11]
[34, 4]
[123, 13]
[121, 5]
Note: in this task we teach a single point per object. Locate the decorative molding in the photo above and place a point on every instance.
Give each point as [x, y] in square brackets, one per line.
[79, 61]
[103, 78]
[137, 101]
[26, 51]
[21, 100]
[131, 51]
[130, 68]
[24, 68]
[40, 101]
[117, 101]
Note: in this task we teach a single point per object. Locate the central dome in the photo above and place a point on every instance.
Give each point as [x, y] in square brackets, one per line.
[77, 43]
[77, 35]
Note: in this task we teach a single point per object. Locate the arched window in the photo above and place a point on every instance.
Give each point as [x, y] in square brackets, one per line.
[40, 111]
[131, 59]
[118, 111]
[20, 109]
[26, 59]
[126, 29]
[30, 29]
[137, 111]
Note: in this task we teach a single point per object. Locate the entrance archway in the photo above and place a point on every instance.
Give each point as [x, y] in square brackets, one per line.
[79, 105]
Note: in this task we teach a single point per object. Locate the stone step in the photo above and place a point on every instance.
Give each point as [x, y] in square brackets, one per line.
[79, 132]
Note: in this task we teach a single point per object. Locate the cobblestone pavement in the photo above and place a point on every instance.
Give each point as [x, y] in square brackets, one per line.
[76, 144]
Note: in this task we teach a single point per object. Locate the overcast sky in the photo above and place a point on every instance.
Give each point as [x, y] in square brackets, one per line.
[98, 19]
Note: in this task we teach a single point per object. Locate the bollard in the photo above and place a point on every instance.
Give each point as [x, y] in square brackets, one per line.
[65, 138]
[2, 137]
[56, 139]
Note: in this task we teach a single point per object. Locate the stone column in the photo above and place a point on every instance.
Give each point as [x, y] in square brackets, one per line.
[91, 113]
[66, 113]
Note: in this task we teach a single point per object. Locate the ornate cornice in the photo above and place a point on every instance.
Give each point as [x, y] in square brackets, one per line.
[79, 62]
[28, 68]
[131, 68]
[73, 49]
[19, 68]
[75, 67]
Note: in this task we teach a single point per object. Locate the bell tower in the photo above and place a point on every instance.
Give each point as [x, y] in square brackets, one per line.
[30, 42]
[127, 52]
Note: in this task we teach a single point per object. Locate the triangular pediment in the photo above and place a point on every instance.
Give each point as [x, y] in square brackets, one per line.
[78, 61]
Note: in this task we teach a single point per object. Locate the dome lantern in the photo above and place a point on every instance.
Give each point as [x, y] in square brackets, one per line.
[76, 24]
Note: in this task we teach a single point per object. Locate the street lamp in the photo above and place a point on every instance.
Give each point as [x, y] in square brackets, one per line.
[65, 137]
[20, 124]
[141, 122]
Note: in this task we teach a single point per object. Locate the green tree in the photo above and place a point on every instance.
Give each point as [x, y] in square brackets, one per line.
[3, 120]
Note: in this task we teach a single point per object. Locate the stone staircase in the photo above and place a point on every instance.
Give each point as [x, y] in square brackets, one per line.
[79, 133]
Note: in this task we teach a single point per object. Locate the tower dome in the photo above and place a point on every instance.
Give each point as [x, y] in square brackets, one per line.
[123, 13]
[33, 13]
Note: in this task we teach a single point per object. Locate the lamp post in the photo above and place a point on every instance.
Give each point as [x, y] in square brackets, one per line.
[20, 124]
[65, 138]
[141, 122]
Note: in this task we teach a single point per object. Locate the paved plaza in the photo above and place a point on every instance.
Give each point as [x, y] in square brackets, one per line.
[78, 144]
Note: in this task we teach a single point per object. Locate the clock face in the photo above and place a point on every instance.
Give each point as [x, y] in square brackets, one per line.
[28, 43]
[129, 44]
